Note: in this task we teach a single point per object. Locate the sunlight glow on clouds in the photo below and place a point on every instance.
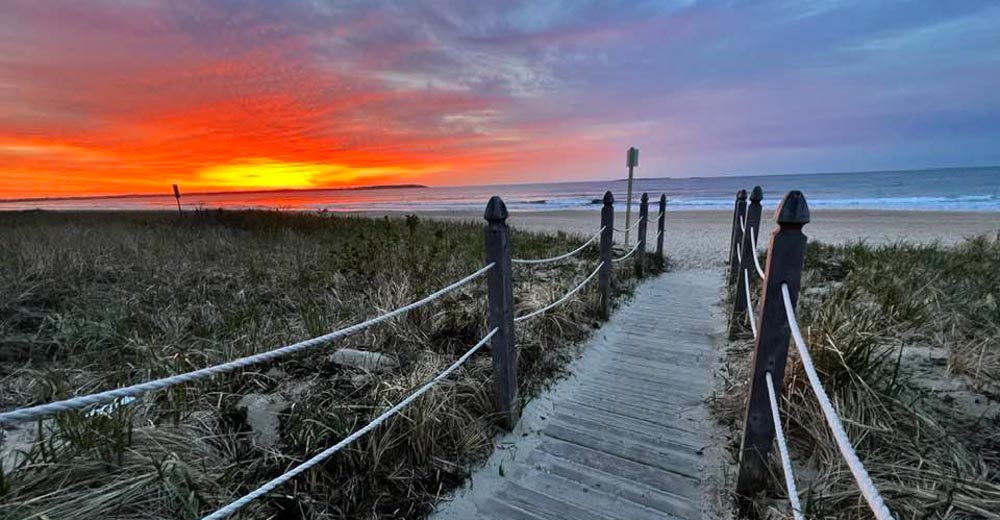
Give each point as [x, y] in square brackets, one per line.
[108, 97]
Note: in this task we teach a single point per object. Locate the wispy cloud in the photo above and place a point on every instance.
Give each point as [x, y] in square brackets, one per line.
[110, 96]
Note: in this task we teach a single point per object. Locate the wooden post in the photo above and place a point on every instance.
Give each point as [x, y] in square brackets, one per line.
[738, 214]
[785, 257]
[736, 225]
[607, 237]
[661, 230]
[632, 160]
[640, 253]
[753, 216]
[501, 313]
[746, 267]
[177, 195]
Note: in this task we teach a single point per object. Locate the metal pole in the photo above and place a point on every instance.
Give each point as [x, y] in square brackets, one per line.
[632, 161]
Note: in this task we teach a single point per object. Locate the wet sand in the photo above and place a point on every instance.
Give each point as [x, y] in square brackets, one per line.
[701, 238]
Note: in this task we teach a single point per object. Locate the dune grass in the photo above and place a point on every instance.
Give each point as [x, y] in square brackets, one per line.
[906, 339]
[92, 301]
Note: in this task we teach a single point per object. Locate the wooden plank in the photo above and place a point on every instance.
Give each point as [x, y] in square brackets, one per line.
[622, 438]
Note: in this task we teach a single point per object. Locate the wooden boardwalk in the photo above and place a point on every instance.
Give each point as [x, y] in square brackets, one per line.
[625, 436]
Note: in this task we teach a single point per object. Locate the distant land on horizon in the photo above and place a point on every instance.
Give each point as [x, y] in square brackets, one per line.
[201, 193]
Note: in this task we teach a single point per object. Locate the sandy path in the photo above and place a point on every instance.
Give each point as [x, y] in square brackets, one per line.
[700, 238]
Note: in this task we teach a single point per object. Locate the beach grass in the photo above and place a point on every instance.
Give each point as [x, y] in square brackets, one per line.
[905, 338]
[93, 301]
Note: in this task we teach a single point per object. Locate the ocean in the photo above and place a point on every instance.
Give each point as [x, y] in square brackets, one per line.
[954, 189]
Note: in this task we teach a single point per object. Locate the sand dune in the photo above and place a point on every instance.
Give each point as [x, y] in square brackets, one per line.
[700, 238]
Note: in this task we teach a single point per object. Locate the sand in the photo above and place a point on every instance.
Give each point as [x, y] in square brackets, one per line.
[698, 239]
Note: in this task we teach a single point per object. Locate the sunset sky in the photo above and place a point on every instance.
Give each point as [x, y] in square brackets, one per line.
[110, 97]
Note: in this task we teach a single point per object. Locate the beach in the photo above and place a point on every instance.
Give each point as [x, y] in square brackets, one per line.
[701, 238]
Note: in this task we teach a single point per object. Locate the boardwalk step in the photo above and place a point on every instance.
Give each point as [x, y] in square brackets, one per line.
[624, 437]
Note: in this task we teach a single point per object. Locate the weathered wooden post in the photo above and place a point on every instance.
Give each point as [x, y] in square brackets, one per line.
[753, 215]
[501, 313]
[736, 225]
[607, 268]
[746, 267]
[177, 195]
[640, 253]
[661, 231]
[741, 210]
[785, 257]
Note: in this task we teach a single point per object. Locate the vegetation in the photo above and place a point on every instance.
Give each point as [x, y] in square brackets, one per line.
[92, 301]
[906, 339]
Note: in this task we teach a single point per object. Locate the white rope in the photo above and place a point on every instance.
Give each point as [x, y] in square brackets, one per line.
[630, 228]
[743, 223]
[864, 481]
[560, 257]
[630, 253]
[786, 459]
[79, 402]
[660, 214]
[756, 262]
[325, 454]
[746, 290]
[560, 300]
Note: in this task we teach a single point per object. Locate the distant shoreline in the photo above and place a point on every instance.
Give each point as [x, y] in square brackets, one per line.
[203, 193]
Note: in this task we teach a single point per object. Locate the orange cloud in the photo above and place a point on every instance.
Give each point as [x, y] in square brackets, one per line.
[159, 95]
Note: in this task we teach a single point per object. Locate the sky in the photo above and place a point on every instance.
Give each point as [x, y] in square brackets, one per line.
[113, 96]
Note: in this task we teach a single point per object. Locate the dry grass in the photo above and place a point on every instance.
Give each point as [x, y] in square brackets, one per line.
[97, 300]
[905, 338]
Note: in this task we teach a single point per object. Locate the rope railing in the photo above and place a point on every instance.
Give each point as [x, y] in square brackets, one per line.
[756, 261]
[630, 228]
[501, 338]
[786, 459]
[562, 300]
[746, 291]
[238, 504]
[627, 255]
[868, 489]
[560, 257]
[85, 401]
[776, 328]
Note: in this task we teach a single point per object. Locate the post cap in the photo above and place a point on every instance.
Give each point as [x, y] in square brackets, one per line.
[757, 194]
[609, 199]
[741, 195]
[495, 209]
[793, 209]
[645, 197]
[663, 197]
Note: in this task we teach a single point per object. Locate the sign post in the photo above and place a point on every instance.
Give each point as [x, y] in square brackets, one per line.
[632, 161]
[177, 195]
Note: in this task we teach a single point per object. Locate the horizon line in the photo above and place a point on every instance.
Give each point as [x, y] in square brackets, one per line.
[423, 186]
